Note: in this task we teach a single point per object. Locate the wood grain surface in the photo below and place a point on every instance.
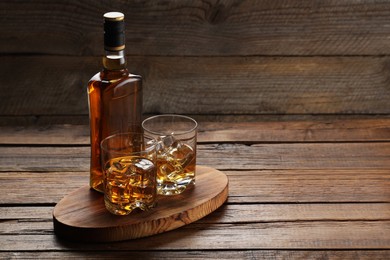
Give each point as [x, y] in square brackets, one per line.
[81, 215]
[204, 85]
[240, 236]
[326, 156]
[212, 254]
[292, 99]
[297, 189]
[277, 130]
[247, 186]
[200, 28]
[200, 57]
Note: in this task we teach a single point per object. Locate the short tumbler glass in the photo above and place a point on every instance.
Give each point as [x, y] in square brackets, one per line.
[129, 171]
[176, 151]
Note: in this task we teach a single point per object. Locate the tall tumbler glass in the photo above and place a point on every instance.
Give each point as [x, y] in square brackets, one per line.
[129, 171]
[176, 151]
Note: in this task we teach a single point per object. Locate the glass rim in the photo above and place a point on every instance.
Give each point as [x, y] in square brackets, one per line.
[110, 137]
[173, 116]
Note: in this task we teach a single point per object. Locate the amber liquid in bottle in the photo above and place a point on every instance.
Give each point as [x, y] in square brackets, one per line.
[115, 105]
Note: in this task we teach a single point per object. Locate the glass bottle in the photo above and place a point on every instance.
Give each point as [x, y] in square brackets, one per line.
[114, 95]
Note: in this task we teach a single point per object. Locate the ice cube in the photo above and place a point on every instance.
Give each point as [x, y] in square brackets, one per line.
[164, 142]
[116, 167]
[142, 166]
[182, 153]
[173, 160]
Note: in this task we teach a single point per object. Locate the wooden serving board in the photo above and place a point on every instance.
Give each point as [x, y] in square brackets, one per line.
[82, 216]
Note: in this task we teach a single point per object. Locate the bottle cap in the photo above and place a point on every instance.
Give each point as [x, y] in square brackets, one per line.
[114, 31]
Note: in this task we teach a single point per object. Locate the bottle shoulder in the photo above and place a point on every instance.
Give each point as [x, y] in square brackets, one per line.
[101, 77]
[135, 76]
[96, 77]
[129, 81]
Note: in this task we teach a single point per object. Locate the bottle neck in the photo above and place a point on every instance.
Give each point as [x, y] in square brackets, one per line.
[114, 60]
[114, 65]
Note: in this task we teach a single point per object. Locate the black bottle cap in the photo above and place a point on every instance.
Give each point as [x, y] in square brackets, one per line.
[114, 31]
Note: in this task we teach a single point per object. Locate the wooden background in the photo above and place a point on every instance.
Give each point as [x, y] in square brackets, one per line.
[203, 58]
[309, 175]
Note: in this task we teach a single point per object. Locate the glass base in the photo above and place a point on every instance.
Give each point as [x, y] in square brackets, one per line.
[123, 210]
[171, 188]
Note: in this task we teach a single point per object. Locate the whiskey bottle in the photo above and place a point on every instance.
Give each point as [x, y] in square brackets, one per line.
[114, 95]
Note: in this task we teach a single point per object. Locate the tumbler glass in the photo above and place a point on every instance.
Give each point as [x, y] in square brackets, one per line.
[129, 171]
[176, 151]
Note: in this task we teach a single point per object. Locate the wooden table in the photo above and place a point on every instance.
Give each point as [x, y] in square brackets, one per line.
[313, 187]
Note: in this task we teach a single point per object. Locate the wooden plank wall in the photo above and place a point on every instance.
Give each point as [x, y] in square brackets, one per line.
[210, 57]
